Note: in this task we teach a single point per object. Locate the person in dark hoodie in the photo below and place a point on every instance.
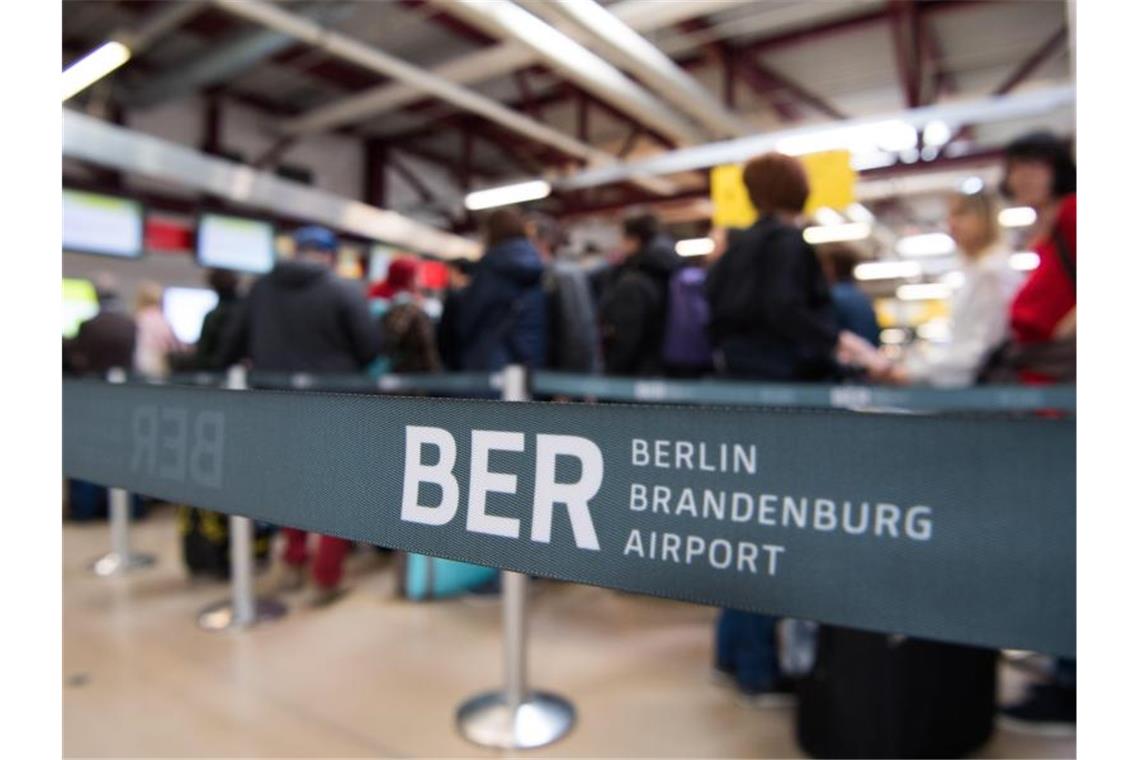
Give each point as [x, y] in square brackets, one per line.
[107, 340]
[502, 312]
[301, 318]
[635, 302]
[207, 354]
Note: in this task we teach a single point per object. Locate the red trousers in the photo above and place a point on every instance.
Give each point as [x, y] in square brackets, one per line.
[328, 567]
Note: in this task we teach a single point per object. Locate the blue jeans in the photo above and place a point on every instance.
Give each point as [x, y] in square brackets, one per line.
[746, 648]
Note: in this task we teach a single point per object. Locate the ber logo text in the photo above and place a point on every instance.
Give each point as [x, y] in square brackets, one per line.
[574, 496]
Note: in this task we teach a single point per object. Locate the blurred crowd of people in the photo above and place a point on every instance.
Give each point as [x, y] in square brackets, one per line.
[764, 306]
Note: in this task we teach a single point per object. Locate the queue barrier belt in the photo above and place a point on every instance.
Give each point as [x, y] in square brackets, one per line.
[950, 527]
[998, 398]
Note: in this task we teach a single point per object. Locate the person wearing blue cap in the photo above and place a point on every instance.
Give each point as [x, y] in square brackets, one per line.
[300, 317]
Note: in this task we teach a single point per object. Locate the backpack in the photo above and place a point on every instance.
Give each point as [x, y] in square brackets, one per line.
[686, 342]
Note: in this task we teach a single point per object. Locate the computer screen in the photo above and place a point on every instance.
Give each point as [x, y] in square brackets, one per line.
[79, 304]
[235, 242]
[103, 224]
[185, 308]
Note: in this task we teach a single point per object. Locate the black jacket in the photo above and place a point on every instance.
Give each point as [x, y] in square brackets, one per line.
[502, 313]
[301, 318]
[633, 309]
[208, 351]
[103, 342]
[770, 306]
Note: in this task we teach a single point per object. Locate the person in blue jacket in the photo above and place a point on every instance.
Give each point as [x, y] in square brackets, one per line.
[853, 309]
[502, 313]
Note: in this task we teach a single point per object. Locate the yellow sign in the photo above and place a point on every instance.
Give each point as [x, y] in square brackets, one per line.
[731, 206]
[830, 176]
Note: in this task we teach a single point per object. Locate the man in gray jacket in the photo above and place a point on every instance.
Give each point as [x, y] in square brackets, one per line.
[301, 318]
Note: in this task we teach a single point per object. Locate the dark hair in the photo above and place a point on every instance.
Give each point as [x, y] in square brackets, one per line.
[776, 182]
[642, 227]
[224, 282]
[1044, 147]
[842, 260]
[503, 224]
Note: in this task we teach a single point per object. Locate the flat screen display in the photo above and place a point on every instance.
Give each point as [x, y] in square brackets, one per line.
[79, 304]
[103, 224]
[235, 242]
[185, 308]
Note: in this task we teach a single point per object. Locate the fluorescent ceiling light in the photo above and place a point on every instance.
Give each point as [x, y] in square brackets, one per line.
[1018, 216]
[936, 133]
[929, 244]
[1024, 261]
[857, 212]
[925, 291]
[972, 185]
[695, 247]
[837, 233]
[887, 270]
[507, 195]
[928, 153]
[895, 135]
[875, 159]
[828, 216]
[94, 66]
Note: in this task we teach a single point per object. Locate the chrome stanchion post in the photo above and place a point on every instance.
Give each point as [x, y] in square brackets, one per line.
[245, 608]
[516, 717]
[120, 559]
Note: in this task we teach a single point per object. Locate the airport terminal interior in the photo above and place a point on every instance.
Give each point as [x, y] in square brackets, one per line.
[315, 253]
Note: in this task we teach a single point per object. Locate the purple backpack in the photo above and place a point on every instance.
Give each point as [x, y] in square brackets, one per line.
[686, 342]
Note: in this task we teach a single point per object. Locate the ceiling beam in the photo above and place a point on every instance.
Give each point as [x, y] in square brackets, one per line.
[364, 55]
[1032, 104]
[1025, 69]
[573, 61]
[85, 137]
[500, 60]
[624, 47]
[903, 17]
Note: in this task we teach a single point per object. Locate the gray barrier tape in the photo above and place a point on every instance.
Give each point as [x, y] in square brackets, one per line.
[481, 383]
[996, 398]
[967, 536]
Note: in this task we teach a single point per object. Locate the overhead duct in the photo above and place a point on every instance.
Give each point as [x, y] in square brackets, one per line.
[369, 57]
[637, 55]
[505, 20]
[100, 142]
[641, 15]
[225, 59]
[831, 135]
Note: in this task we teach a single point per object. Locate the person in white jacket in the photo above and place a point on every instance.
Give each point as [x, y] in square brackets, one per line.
[979, 307]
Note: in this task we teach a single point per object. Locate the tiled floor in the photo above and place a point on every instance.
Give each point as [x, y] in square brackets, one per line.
[377, 676]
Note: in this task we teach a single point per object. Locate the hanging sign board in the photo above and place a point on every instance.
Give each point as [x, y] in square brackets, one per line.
[830, 176]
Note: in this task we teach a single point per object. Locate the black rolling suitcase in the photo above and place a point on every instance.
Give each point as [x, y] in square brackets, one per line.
[874, 695]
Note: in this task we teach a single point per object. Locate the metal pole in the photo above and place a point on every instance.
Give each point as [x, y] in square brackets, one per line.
[244, 609]
[120, 559]
[516, 717]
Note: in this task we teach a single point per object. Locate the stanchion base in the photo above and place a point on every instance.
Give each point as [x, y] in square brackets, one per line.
[116, 564]
[221, 617]
[541, 719]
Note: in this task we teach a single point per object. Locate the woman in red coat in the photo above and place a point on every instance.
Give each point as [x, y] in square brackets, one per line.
[1041, 173]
